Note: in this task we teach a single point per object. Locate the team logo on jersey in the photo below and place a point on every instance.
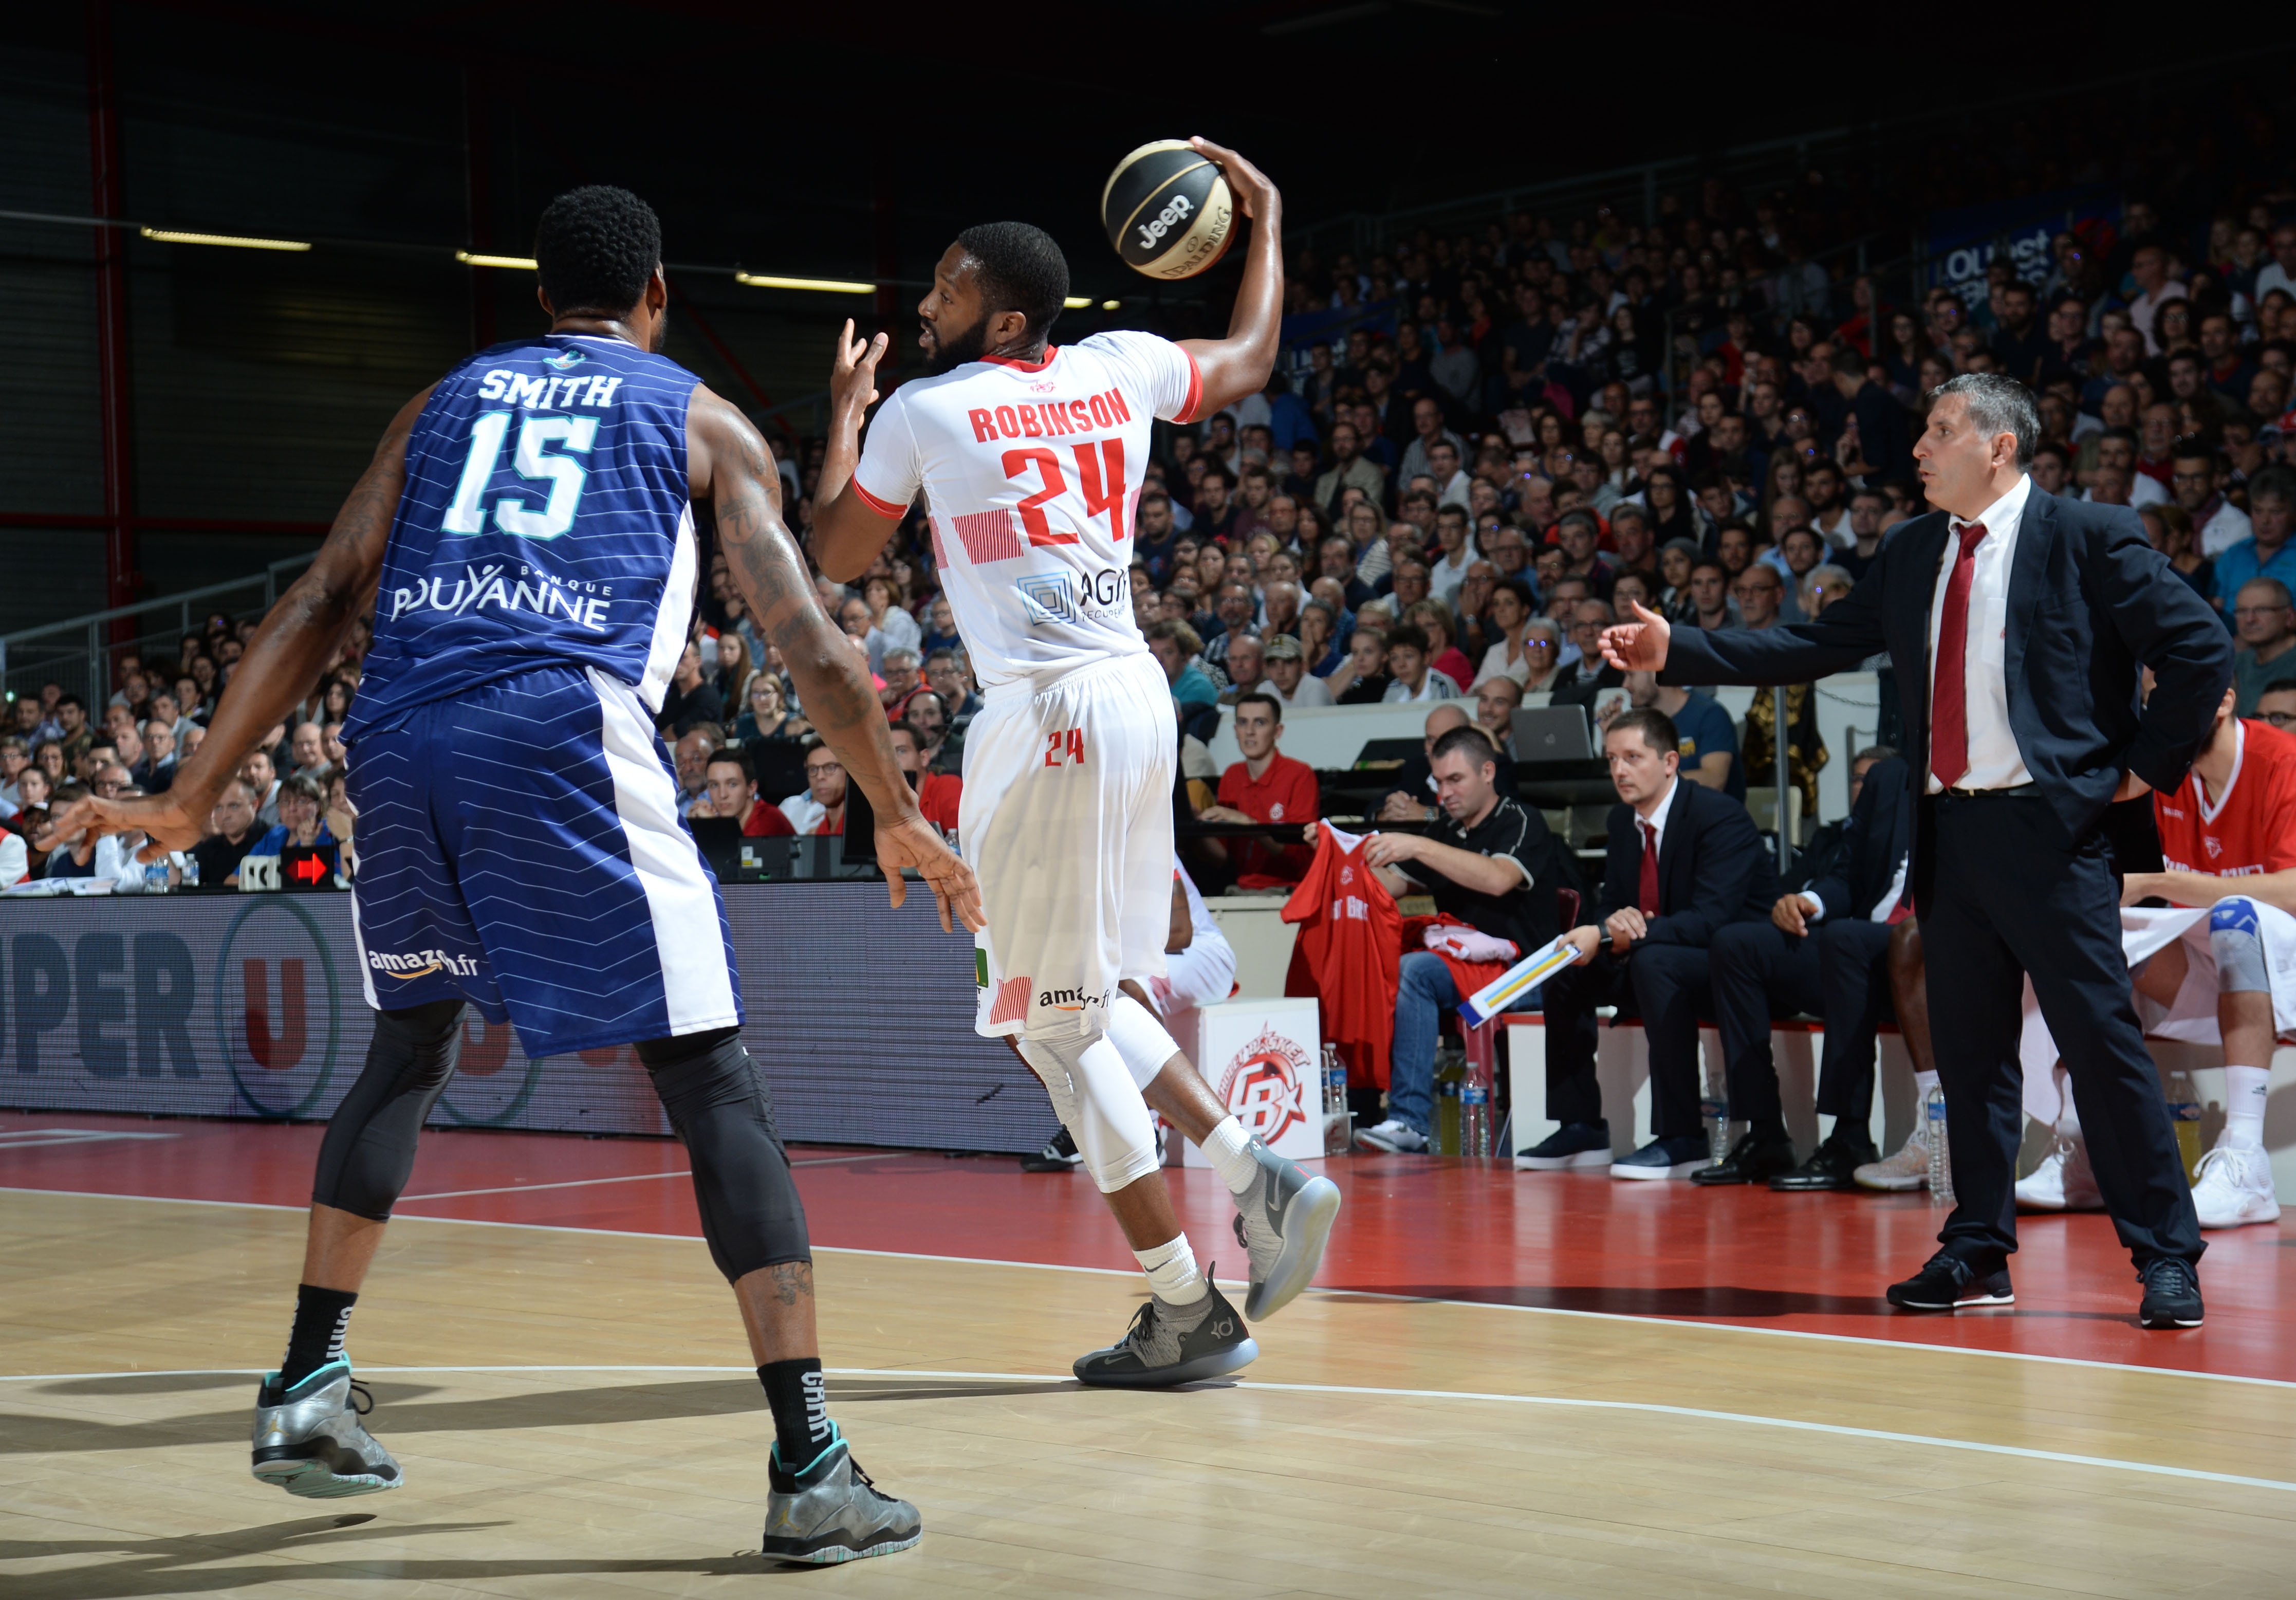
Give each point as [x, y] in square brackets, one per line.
[1262, 1085]
[565, 361]
[1045, 597]
[1070, 596]
[2209, 843]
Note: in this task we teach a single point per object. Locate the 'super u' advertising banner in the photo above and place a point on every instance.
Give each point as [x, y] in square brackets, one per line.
[251, 1006]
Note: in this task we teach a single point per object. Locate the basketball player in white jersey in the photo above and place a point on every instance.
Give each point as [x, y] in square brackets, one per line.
[1030, 459]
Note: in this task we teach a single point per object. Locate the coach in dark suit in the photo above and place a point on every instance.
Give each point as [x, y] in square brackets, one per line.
[1825, 949]
[1684, 861]
[2036, 613]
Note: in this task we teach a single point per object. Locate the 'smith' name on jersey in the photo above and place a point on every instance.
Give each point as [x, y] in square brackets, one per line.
[540, 392]
[480, 585]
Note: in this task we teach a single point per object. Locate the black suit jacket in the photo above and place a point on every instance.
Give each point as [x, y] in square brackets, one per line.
[1712, 869]
[1874, 838]
[2089, 602]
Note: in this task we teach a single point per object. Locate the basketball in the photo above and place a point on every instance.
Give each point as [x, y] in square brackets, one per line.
[1167, 210]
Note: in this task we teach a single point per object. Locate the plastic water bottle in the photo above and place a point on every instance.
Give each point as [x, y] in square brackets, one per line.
[1475, 1118]
[1940, 1158]
[190, 869]
[2184, 1110]
[1339, 1132]
[155, 876]
[1446, 1116]
[1714, 1112]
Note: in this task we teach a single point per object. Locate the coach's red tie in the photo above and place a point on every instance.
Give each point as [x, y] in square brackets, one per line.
[1949, 684]
[1646, 891]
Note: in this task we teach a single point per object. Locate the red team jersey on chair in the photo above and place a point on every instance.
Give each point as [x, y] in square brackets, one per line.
[1348, 954]
[2251, 829]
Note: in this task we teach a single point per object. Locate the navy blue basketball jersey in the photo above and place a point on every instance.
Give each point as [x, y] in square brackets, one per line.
[546, 523]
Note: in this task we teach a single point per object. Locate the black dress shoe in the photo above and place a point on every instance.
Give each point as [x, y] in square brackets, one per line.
[1830, 1166]
[1946, 1282]
[1752, 1160]
[2172, 1293]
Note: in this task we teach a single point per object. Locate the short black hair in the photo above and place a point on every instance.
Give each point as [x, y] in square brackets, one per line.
[1469, 740]
[1019, 268]
[733, 755]
[1656, 727]
[596, 248]
[1261, 698]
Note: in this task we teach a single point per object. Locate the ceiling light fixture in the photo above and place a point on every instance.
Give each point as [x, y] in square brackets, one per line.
[759, 280]
[471, 258]
[170, 236]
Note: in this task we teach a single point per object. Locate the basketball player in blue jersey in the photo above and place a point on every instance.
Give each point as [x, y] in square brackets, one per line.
[526, 536]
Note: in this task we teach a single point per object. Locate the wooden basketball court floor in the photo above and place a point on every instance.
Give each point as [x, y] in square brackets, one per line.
[1507, 1385]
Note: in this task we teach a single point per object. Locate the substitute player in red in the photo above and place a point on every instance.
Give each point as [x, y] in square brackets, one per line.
[2228, 836]
[1030, 459]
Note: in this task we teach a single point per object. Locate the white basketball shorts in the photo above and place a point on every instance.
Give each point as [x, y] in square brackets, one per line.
[1067, 821]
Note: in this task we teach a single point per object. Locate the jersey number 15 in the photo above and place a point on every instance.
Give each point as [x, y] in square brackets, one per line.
[564, 473]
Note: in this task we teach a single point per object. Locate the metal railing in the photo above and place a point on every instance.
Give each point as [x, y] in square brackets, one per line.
[79, 652]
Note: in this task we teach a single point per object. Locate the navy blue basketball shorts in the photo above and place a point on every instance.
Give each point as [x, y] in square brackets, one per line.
[520, 848]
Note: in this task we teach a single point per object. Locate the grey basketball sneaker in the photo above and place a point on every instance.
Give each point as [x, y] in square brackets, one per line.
[1167, 1345]
[1282, 1222]
[831, 1510]
[309, 1441]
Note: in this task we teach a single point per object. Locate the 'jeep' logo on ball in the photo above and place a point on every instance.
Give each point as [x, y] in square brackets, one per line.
[1177, 211]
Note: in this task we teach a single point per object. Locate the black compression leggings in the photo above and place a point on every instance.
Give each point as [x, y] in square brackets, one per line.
[716, 1101]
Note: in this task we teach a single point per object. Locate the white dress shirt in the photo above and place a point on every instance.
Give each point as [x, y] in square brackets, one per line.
[1655, 839]
[1995, 761]
[1883, 908]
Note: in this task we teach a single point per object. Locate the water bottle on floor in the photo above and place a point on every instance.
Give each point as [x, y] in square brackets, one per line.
[1474, 1118]
[1446, 1116]
[1714, 1113]
[1940, 1158]
[1339, 1128]
[2184, 1110]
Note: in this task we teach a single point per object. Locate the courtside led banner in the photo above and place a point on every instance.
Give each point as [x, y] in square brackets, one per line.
[251, 1006]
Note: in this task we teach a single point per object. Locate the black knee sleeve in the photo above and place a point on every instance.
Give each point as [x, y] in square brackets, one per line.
[719, 1106]
[369, 1150]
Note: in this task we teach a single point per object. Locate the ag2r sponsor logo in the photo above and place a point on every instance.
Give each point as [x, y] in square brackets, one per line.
[1072, 596]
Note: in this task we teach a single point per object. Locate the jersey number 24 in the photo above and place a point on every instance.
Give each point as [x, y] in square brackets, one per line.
[511, 514]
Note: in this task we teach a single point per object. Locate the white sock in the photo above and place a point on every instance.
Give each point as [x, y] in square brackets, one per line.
[1171, 1269]
[1923, 1082]
[2244, 1091]
[1229, 1150]
[2068, 1119]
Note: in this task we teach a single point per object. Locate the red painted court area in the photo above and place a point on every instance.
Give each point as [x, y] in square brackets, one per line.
[1437, 1229]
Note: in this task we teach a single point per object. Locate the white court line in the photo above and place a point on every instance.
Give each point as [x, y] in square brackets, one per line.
[1645, 1407]
[29, 1139]
[907, 1255]
[572, 1183]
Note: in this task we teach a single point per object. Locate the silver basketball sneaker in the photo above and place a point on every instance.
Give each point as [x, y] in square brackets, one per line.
[309, 1441]
[831, 1512]
[1282, 1221]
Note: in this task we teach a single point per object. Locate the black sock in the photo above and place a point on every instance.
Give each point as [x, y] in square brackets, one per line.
[1770, 1130]
[322, 1315]
[800, 1398]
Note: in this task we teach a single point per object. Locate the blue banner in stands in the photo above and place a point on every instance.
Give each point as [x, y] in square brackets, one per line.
[251, 1006]
[1963, 241]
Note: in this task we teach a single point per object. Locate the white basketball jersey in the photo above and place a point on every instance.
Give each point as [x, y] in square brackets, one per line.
[1032, 473]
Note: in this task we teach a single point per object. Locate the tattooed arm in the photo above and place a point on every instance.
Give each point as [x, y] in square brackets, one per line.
[732, 474]
[302, 634]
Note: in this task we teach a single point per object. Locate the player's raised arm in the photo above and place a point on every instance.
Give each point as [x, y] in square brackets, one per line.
[848, 531]
[732, 474]
[283, 660]
[1238, 365]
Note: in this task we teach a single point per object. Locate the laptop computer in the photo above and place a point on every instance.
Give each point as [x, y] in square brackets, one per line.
[1553, 734]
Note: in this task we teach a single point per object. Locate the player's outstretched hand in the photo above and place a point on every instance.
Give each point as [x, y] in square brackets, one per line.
[164, 820]
[1246, 182]
[1638, 646]
[853, 373]
[917, 843]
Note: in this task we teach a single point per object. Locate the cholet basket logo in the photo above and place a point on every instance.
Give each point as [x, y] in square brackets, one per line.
[1261, 1084]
